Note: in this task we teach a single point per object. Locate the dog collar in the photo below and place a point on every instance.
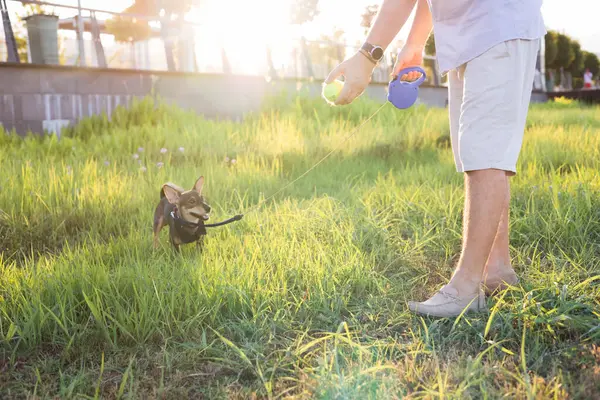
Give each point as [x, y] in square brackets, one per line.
[188, 231]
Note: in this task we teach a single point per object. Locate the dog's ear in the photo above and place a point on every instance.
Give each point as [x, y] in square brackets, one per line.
[199, 185]
[171, 193]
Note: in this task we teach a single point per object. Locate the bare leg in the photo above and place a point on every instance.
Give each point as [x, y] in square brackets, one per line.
[498, 270]
[485, 202]
[500, 256]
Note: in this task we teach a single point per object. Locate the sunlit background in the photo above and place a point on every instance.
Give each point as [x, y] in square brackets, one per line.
[242, 30]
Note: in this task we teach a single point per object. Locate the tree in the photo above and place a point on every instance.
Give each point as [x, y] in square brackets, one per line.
[430, 45]
[302, 11]
[129, 29]
[591, 62]
[36, 9]
[551, 49]
[565, 54]
[429, 64]
[327, 51]
[170, 14]
[154, 8]
[22, 47]
[576, 66]
[368, 16]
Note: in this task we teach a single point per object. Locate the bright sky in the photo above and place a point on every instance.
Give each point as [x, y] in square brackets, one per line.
[578, 18]
[241, 25]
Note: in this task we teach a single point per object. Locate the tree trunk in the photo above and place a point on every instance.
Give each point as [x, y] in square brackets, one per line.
[271, 67]
[309, 67]
[164, 30]
[133, 59]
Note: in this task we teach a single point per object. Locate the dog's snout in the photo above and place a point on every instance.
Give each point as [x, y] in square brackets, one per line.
[206, 208]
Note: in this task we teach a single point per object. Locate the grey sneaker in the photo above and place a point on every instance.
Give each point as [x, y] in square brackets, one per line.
[447, 303]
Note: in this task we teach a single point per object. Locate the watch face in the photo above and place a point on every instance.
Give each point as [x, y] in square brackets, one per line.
[377, 53]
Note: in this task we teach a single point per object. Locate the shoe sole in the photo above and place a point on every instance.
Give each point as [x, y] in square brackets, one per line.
[442, 315]
[481, 307]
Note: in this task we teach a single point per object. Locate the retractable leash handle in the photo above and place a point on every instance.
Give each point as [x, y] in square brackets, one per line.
[403, 94]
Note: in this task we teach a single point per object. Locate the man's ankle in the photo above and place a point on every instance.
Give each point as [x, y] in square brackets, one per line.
[498, 270]
[466, 284]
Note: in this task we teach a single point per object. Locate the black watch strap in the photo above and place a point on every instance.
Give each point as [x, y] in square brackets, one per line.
[375, 53]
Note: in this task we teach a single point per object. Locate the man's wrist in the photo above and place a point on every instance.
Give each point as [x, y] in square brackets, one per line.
[367, 56]
[415, 45]
[372, 51]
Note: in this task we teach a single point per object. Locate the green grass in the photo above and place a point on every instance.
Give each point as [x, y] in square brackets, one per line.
[306, 297]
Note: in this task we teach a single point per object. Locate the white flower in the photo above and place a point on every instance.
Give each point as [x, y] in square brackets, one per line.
[160, 164]
[140, 149]
[107, 163]
[233, 161]
[181, 149]
[136, 156]
[163, 150]
[226, 159]
[143, 169]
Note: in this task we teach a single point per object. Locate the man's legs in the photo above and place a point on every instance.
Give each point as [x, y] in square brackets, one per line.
[485, 244]
[498, 270]
[485, 202]
[485, 252]
[499, 255]
[497, 260]
[486, 131]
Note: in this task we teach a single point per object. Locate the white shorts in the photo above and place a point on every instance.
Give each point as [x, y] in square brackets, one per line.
[488, 101]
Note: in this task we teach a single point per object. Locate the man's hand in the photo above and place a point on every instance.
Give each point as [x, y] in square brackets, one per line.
[391, 17]
[409, 56]
[357, 72]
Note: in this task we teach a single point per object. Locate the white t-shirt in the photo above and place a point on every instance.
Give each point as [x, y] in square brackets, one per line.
[465, 29]
[587, 77]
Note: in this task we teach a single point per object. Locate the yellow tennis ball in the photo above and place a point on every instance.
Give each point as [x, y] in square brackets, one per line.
[332, 90]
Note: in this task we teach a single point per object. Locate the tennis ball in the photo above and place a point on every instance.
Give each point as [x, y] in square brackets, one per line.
[332, 90]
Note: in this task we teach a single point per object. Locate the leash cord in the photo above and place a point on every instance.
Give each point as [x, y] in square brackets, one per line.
[336, 148]
[227, 221]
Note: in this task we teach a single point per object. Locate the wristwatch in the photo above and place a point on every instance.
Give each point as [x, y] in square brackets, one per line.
[372, 52]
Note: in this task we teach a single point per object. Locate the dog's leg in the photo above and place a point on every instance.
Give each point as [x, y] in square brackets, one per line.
[159, 222]
[176, 246]
[200, 244]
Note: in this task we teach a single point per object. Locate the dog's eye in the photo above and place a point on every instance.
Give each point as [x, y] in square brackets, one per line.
[192, 201]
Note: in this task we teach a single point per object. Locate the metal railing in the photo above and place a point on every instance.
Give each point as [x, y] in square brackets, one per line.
[87, 38]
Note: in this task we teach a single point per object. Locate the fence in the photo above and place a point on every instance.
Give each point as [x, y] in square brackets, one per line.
[101, 38]
[82, 36]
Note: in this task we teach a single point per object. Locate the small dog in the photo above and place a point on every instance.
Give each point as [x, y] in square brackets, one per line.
[185, 211]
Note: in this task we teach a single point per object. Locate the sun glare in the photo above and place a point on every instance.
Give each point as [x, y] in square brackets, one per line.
[243, 29]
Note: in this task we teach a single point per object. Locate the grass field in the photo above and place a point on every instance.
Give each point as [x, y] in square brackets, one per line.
[306, 297]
